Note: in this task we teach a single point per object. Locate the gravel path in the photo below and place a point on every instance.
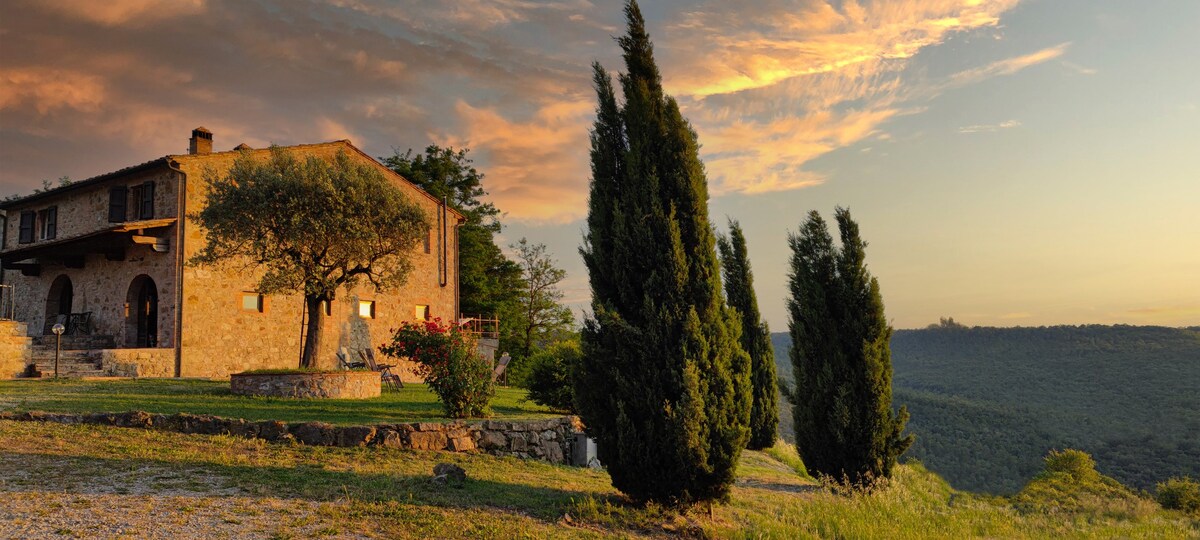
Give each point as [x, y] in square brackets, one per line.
[44, 498]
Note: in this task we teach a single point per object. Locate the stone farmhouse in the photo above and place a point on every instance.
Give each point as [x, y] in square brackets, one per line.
[107, 257]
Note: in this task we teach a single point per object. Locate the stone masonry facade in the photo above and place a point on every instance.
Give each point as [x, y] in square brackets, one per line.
[200, 326]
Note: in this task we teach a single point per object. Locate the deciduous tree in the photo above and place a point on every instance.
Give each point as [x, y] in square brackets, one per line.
[310, 226]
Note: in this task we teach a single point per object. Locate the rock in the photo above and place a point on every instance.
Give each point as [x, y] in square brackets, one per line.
[242, 428]
[462, 444]
[489, 440]
[549, 435]
[427, 440]
[355, 435]
[427, 426]
[449, 474]
[208, 424]
[314, 433]
[274, 431]
[554, 454]
[138, 419]
[518, 444]
[388, 438]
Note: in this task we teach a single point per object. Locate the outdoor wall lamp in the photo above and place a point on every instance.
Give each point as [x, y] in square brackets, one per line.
[58, 330]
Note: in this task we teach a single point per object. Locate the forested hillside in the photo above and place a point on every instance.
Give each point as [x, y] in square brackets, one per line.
[987, 403]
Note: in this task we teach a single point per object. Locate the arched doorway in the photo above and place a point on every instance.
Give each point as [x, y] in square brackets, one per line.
[58, 302]
[141, 320]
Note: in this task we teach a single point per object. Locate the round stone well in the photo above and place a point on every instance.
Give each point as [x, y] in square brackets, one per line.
[308, 384]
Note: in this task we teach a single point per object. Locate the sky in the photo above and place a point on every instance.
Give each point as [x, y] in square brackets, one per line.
[1009, 162]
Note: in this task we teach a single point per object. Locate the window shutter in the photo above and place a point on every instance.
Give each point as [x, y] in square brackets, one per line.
[26, 231]
[116, 204]
[51, 222]
[147, 201]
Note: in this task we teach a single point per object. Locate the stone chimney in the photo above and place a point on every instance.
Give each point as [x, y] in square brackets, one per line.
[201, 141]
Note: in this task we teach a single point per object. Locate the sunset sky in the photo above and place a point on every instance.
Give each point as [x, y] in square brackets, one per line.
[1009, 162]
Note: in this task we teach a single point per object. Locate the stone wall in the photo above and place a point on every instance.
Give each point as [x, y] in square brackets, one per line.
[102, 287]
[220, 338]
[85, 210]
[15, 349]
[335, 385]
[138, 362]
[548, 440]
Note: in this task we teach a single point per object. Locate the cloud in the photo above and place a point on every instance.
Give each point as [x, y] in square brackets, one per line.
[1007, 66]
[1078, 68]
[534, 171]
[122, 12]
[789, 82]
[990, 128]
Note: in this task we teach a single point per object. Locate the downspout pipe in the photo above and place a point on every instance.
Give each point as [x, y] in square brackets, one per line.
[180, 223]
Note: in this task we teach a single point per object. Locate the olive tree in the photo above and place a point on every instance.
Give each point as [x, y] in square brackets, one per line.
[309, 226]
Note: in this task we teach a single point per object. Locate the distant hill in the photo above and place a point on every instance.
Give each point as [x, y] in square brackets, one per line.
[987, 403]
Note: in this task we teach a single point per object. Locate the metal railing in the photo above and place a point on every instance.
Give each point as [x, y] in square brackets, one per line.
[482, 327]
[8, 303]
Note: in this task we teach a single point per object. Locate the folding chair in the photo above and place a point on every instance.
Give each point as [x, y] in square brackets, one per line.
[385, 370]
[499, 372]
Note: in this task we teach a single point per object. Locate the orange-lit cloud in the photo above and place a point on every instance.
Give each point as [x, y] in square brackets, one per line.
[534, 173]
[121, 12]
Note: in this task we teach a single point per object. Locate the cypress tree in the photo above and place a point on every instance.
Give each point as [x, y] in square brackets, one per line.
[664, 386]
[756, 338]
[845, 425]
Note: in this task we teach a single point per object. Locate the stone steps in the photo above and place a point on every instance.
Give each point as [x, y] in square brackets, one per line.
[71, 363]
[76, 342]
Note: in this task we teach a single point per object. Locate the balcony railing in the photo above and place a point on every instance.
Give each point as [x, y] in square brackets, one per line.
[482, 328]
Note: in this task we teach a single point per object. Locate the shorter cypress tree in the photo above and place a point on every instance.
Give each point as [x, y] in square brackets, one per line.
[845, 426]
[756, 337]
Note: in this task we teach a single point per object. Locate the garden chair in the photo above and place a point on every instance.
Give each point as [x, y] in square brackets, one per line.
[344, 361]
[385, 370]
[499, 373]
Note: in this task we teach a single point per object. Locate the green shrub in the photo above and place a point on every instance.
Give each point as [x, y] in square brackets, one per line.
[1076, 463]
[1070, 484]
[449, 360]
[1179, 493]
[549, 375]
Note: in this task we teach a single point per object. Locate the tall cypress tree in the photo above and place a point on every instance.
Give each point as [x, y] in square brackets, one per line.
[756, 337]
[664, 387]
[845, 426]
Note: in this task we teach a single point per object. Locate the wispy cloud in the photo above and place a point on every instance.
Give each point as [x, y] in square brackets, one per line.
[989, 128]
[1007, 66]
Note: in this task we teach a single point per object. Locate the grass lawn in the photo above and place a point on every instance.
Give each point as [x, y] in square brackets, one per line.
[413, 403]
[67, 480]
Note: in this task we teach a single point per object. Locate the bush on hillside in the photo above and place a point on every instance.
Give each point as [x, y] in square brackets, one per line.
[449, 361]
[1071, 484]
[549, 375]
[1179, 493]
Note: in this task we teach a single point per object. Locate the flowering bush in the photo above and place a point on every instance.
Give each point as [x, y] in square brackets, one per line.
[450, 362]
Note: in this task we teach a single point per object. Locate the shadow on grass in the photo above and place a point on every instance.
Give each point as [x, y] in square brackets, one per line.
[84, 475]
[414, 403]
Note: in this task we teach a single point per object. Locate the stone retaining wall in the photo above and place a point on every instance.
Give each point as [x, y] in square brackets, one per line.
[548, 440]
[324, 385]
[138, 362]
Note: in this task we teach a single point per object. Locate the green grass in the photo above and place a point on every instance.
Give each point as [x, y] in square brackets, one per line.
[413, 403]
[387, 493]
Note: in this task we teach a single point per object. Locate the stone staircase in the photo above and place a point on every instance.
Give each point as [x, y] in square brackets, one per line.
[79, 357]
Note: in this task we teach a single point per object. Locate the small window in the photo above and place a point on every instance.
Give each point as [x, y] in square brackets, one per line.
[117, 204]
[253, 302]
[143, 201]
[421, 313]
[26, 231]
[366, 309]
[47, 221]
[428, 241]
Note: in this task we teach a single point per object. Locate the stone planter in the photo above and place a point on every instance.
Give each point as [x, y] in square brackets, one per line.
[308, 385]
